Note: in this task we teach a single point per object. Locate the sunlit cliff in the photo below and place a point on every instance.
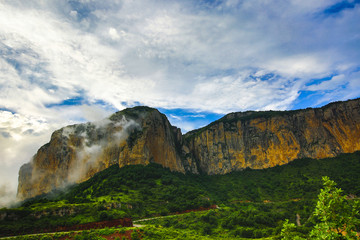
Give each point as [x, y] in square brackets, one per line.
[240, 140]
[265, 139]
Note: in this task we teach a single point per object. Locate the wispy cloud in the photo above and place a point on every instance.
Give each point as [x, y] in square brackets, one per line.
[158, 56]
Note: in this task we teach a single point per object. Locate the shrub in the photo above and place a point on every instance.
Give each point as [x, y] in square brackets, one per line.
[135, 235]
[46, 237]
[337, 215]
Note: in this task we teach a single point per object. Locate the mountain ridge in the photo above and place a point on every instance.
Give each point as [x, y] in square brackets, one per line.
[143, 135]
[276, 137]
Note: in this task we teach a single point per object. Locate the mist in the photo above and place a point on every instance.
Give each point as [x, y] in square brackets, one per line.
[7, 196]
[89, 155]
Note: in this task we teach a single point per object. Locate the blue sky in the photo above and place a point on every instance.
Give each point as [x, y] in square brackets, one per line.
[65, 62]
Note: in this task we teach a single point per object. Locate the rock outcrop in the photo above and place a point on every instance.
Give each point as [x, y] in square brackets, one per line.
[75, 153]
[265, 139]
[240, 140]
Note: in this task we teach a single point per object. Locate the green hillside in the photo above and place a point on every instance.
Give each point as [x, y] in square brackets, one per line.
[248, 199]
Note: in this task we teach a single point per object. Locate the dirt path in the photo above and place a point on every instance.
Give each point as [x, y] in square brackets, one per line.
[148, 219]
[175, 214]
[138, 225]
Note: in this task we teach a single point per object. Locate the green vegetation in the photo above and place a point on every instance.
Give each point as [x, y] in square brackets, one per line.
[253, 203]
[338, 218]
[241, 220]
[93, 234]
[140, 190]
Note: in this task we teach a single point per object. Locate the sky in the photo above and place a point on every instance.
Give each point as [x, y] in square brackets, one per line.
[65, 62]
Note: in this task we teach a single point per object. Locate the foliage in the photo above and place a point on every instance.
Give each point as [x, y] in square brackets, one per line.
[288, 232]
[143, 191]
[338, 217]
[106, 231]
[300, 178]
[46, 237]
[247, 220]
[135, 235]
[87, 235]
[154, 233]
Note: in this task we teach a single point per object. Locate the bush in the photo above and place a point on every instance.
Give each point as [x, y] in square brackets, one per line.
[86, 235]
[337, 216]
[105, 216]
[46, 237]
[135, 235]
[106, 231]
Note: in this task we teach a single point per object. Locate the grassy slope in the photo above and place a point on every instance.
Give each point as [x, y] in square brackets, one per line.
[142, 191]
[154, 184]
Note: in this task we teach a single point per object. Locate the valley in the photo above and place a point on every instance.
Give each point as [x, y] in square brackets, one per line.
[252, 203]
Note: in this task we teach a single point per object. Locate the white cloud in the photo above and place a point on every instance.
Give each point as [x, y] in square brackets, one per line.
[113, 34]
[174, 117]
[341, 87]
[332, 84]
[299, 66]
[73, 14]
[20, 137]
[164, 51]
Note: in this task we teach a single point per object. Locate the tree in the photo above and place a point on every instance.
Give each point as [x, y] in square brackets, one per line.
[288, 232]
[337, 215]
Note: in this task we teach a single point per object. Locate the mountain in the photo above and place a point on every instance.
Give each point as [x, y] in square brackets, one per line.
[266, 139]
[142, 135]
[75, 153]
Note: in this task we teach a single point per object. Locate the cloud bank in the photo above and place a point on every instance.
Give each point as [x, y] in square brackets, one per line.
[64, 62]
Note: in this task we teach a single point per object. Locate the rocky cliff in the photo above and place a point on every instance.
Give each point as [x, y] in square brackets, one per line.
[265, 139]
[142, 135]
[75, 153]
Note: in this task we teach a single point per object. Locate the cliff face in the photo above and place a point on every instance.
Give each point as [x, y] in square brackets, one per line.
[239, 140]
[75, 153]
[265, 139]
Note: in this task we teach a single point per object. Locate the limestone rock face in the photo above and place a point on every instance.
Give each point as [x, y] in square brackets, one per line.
[75, 153]
[265, 139]
[142, 135]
